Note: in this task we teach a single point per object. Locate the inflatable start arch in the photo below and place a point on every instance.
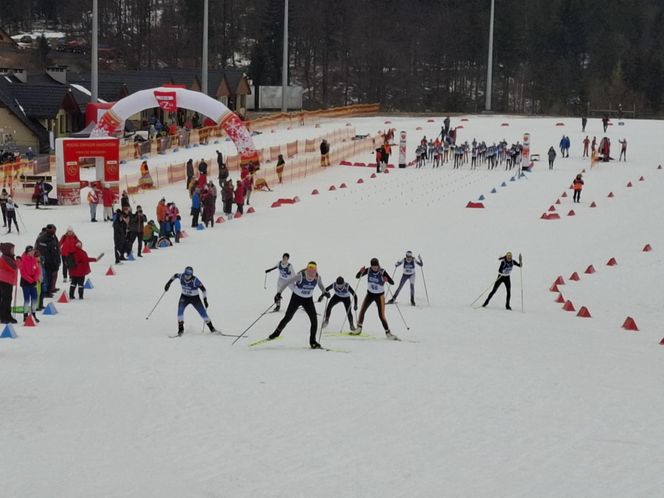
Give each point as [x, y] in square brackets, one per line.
[106, 149]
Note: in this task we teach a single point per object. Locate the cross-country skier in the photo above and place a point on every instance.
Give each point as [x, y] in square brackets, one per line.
[286, 272]
[190, 289]
[304, 283]
[504, 270]
[376, 278]
[408, 274]
[342, 293]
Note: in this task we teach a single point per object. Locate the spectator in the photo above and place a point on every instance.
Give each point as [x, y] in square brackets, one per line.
[552, 156]
[4, 195]
[162, 209]
[108, 199]
[150, 234]
[195, 208]
[202, 167]
[124, 200]
[145, 181]
[119, 236]
[190, 172]
[280, 166]
[93, 201]
[135, 228]
[8, 278]
[49, 248]
[11, 215]
[30, 154]
[227, 197]
[248, 184]
[37, 193]
[239, 197]
[209, 198]
[324, 153]
[67, 245]
[80, 268]
[30, 275]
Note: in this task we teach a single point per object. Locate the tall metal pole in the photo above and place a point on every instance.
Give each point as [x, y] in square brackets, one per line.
[204, 57]
[94, 63]
[284, 68]
[489, 68]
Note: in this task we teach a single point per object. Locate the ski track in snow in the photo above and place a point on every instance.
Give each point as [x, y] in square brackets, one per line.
[97, 401]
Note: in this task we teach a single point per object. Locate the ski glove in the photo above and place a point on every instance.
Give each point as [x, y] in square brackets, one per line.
[205, 302]
[322, 296]
[326, 295]
[355, 307]
[167, 286]
[277, 297]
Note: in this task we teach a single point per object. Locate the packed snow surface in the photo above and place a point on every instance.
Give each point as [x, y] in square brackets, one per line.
[97, 401]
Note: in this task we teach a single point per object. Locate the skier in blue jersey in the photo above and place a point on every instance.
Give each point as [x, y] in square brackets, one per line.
[190, 295]
[408, 274]
[504, 270]
[303, 285]
[376, 279]
[285, 273]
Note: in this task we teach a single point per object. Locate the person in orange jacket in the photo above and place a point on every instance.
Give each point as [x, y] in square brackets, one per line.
[8, 278]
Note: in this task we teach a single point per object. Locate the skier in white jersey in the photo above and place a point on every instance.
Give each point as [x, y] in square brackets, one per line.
[408, 274]
[190, 289]
[304, 283]
[286, 272]
[376, 278]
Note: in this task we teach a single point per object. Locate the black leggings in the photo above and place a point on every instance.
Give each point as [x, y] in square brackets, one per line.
[76, 281]
[577, 196]
[5, 302]
[502, 279]
[379, 299]
[307, 304]
[333, 302]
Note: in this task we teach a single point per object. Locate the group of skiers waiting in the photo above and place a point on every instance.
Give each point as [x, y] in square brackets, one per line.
[437, 152]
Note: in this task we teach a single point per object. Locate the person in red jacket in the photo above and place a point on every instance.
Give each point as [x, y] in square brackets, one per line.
[239, 197]
[30, 276]
[108, 198]
[8, 277]
[67, 245]
[79, 269]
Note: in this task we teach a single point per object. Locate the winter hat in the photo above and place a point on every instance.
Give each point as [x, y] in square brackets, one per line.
[28, 248]
[340, 280]
[189, 271]
[286, 255]
[374, 262]
[70, 229]
[409, 254]
[311, 265]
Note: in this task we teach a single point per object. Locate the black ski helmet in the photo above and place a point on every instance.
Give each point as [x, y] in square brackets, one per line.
[340, 280]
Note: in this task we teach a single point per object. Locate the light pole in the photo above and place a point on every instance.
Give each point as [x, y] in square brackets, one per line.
[284, 67]
[489, 66]
[94, 69]
[204, 56]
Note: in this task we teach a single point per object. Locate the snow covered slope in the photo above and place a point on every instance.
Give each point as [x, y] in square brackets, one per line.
[99, 402]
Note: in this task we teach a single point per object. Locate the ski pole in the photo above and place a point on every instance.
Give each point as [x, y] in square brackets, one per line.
[424, 281]
[320, 332]
[521, 276]
[265, 282]
[253, 323]
[484, 291]
[21, 218]
[156, 304]
[355, 291]
[399, 310]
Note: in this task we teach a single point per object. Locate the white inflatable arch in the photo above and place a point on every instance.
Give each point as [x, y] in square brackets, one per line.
[172, 98]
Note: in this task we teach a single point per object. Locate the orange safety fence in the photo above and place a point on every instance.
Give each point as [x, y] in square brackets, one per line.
[342, 146]
[131, 150]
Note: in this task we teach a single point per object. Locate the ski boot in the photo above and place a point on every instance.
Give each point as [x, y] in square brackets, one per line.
[277, 307]
[180, 328]
[412, 301]
[508, 307]
[389, 335]
[211, 327]
[392, 301]
[352, 327]
[34, 317]
[315, 345]
[274, 335]
[356, 331]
